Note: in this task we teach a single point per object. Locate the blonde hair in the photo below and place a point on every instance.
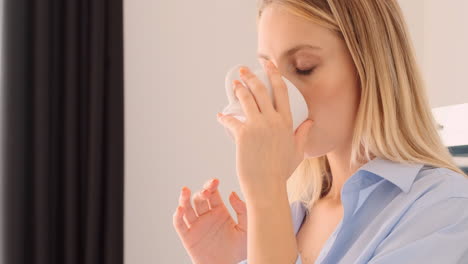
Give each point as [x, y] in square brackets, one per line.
[394, 120]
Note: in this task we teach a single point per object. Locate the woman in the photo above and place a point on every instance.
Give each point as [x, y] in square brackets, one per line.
[370, 178]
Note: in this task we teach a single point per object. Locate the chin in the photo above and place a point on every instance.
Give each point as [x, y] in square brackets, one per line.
[318, 150]
[313, 154]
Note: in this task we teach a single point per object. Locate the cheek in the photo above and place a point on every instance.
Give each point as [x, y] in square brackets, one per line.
[333, 103]
[332, 91]
[333, 106]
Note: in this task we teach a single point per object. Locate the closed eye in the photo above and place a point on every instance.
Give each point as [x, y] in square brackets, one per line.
[304, 72]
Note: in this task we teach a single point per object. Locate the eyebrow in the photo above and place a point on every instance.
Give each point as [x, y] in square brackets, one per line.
[290, 51]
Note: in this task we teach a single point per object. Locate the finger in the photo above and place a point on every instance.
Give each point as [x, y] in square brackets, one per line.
[201, 204]
[246, 99]
[301, 134]
[241, 210]
[258, 90]
[178, 221]
[232, 123]
[212, 194]
[184, 200]
[211, 184]
[280, 90]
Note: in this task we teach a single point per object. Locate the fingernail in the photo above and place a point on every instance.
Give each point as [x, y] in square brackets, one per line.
[270, 66]
[266, 65]
[205, 192]
[235, 195]
[243, 70]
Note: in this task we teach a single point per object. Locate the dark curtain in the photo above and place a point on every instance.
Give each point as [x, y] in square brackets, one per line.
[62, 132]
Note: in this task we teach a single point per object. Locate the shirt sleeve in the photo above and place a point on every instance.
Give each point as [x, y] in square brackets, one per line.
[431, 232]
[298, 260]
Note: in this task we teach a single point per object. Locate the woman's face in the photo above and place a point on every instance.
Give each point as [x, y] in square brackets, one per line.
[325, 75]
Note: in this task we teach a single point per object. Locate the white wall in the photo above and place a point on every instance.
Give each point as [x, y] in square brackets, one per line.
[446, 51]
[413, 10]
[176, 55]
[440, 33]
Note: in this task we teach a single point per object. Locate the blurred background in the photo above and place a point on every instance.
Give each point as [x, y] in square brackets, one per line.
[177, 54]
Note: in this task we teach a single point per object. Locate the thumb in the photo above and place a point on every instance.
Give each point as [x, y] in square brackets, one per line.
[241, 210]
[302, 132]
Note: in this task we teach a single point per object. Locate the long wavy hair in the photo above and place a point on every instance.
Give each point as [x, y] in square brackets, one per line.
[394, 120]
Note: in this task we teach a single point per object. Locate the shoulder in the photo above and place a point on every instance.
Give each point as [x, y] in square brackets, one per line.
[428, 223]
[440, 183]
[438, 189]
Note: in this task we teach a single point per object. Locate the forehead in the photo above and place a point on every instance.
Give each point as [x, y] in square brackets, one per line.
[279, 29]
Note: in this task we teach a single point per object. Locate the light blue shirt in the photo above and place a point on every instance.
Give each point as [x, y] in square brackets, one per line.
[397, 213]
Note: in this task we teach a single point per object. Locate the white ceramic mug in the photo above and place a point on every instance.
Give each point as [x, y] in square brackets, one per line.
[299, 110]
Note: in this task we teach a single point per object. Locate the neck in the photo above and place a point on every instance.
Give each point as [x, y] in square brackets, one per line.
[339, 167]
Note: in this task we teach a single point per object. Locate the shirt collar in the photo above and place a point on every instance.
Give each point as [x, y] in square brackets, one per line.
[400, 174]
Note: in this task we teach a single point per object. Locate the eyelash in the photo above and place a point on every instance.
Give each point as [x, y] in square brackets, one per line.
[304, 72]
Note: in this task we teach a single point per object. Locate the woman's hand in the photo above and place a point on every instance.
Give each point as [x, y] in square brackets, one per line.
[208, 232]
[267, 148]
